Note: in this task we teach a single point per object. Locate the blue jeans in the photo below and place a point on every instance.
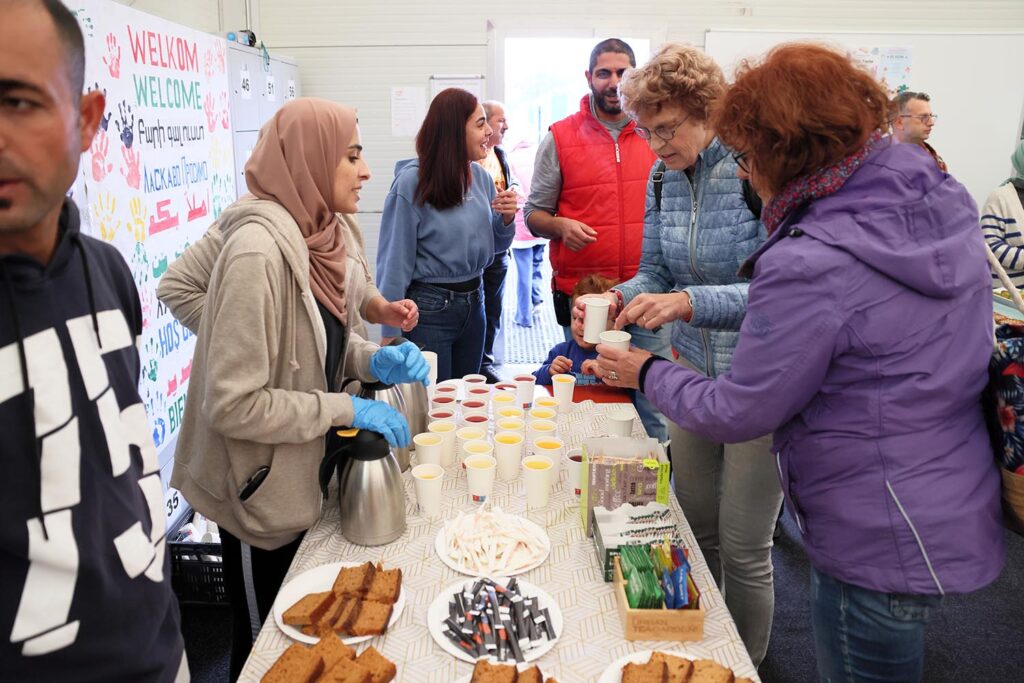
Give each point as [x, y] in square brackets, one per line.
[528, 282]
[494, 291]
[451, 325]
[866, 635]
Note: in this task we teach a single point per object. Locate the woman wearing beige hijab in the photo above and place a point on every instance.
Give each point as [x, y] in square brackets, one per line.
[273, 349]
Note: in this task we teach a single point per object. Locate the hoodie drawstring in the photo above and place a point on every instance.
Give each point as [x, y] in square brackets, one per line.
[23, 358]
[88, 288]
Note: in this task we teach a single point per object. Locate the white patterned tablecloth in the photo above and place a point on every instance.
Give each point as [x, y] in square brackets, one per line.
[592, 636]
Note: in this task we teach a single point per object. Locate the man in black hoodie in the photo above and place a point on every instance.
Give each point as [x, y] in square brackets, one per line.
[84, 578]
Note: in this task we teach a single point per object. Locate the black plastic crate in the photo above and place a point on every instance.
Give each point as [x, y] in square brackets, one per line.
[197, 571]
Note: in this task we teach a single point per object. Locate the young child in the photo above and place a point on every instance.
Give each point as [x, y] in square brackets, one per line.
[576, 356]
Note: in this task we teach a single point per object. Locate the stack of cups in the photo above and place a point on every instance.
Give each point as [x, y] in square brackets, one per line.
[563, 386]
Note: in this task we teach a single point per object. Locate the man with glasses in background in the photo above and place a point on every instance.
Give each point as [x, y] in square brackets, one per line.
[913, 121]
[587, 195]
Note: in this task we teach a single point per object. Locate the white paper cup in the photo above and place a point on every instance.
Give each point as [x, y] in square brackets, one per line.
[551, 447]
[474, 405]
[549, 414]
[427, 480]
[537, 475]
[479, 393]
[431, 359]
[616, 339]
[464, 435]
[429, 448]
[505, 386]
[620, 422]
[541, 429]
[480, 471]
[511, 424]
[441, 414]
[503, 399]
[473, 380]
[595, 320]
[476, 447]
[475, 418]
[506, 412]
[524, 389]
[446, 401]
[574, 466]
[508, 451]
[446, 430]
[546, 402]
[564, 385]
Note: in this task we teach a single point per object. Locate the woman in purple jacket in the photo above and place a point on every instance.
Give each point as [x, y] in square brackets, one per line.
[864, 348]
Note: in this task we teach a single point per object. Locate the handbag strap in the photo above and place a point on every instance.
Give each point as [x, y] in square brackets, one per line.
[1000, 272]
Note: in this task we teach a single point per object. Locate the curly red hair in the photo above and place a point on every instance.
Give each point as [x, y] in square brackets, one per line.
[801, 108]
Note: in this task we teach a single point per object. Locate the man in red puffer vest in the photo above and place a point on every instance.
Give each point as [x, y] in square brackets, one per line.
[589, 183]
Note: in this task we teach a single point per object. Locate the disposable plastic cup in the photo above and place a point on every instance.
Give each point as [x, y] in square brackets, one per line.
[564, 385]
[478, 418]
[511, 424]
[546, 402]
[620, 422]
[464, 435]
[427, 480]
[441, 414]
[524, 389]
[551, 447]
[480, 471]
[474, 405]
[503, 399]
[574, 466]
[447, 388]
[508, 451]
[537, 475]
[473, 380]
[429, 448]
[431, 359]
[446, 430]
[541, 429]
[549, 414]
[596, 318]
[616, 339]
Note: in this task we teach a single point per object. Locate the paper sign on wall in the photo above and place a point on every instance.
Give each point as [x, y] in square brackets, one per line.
[271, 89]
[245, 83]
[290, 94]
[407, 110]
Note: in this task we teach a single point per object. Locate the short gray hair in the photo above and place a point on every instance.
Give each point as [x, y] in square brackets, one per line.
[901, 101]
[489, 106]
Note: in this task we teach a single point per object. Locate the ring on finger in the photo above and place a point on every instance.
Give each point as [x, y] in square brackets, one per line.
[612, 375]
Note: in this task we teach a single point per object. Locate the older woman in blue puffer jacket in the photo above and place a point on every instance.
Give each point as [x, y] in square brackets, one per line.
[699, 228]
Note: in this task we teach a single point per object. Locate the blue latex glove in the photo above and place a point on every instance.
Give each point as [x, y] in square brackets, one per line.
[381, 418]
[400, 364]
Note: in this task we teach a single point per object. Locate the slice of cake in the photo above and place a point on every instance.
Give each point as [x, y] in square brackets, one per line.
[679, 669]
[708, 671]
[485, 672]
[295, 665]
[347, 671]
[372, 619]
[382, 669]
[347, 615]
[330, 649]
[309, 609]
[354, 581]
[651, 672]
[531, 675]
[386, 585]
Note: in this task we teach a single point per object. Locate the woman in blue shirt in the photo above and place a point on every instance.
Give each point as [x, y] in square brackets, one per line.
[443, 223]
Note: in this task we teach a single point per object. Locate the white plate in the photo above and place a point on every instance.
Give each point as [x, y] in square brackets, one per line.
[438, 612]
[520, 667]
[318, 580]
[613, 674]
[441, 547]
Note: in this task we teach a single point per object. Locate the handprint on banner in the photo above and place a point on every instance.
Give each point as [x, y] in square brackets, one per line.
[130, 170]
[85, 21]
[223, 193]
[137, 225]
[208, 63]
[150, 370]
[124, 111]
[113, 57]
[103, 213]
[211, 115]
[146, 297]
[159, 431]
[99, 149]
[219, 154]
[225, 111]
[221, 62]
[139, 265]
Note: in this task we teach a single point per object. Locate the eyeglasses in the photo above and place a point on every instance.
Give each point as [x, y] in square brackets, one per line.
[923, 118]
[661, 131]
[739, 159]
